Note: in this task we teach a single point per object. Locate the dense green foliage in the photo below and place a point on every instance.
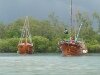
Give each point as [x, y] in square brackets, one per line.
[47, 33]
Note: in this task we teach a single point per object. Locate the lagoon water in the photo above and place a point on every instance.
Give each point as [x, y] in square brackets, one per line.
[49, 64]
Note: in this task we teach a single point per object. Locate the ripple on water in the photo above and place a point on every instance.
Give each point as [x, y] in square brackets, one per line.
[49, 65]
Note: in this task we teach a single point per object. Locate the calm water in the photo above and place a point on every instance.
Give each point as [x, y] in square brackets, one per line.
[49, 64]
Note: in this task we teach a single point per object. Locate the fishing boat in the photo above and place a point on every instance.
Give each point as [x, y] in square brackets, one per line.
[73, 46]
[25, 45]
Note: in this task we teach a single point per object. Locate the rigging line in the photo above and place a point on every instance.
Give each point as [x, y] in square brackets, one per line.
[28, 30]
[29, 35]
[25, 31]
[22, 34]
[78, 32]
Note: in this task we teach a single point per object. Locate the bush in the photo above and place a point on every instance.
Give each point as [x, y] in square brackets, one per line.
[40, 44]
[54, 45]
[8, 45]
[93, 48]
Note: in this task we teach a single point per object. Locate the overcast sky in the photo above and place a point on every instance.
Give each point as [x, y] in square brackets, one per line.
[11, 10]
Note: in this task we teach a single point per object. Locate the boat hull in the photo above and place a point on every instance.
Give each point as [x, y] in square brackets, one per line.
[25, 48]
[70, 49]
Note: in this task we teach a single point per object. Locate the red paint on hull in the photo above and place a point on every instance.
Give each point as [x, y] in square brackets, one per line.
[70, 49]
[25, 48]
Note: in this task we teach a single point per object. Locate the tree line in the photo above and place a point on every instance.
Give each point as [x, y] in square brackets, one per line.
[46, 33]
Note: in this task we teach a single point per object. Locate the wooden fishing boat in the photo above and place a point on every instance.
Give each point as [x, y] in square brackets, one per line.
[72, 47]
[25, 45]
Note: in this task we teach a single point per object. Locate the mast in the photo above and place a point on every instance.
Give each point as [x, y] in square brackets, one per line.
[26, 32]
[71, 19]
[71, 13]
